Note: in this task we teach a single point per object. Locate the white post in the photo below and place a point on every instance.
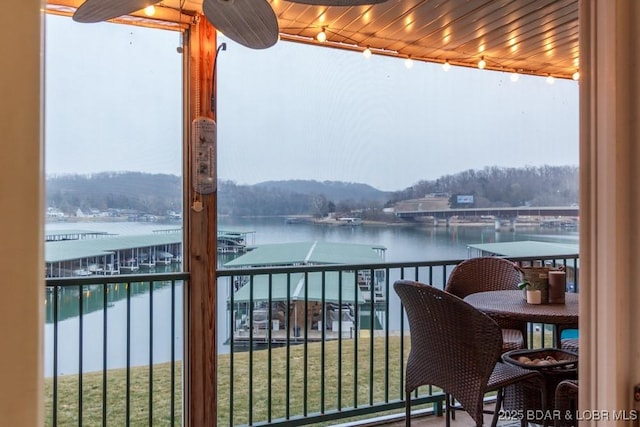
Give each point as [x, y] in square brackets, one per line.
[609, 205]
[22, 263]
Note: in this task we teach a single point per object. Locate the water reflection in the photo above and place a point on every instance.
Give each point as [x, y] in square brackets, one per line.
[147, 327]
[93, 298]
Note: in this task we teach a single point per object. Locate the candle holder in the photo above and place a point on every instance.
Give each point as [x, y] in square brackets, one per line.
[557, 286]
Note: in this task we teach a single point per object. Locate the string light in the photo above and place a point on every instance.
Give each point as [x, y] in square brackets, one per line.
[150, 10]
[408, 63]
[322, 36]
[446, 65]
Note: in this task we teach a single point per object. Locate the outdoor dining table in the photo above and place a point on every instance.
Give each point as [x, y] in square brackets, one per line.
[512, 305]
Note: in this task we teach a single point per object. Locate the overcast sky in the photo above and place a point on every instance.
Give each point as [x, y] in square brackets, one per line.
[113, 99]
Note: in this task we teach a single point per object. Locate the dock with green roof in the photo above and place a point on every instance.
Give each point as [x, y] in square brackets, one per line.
[102, 253]
[326, 300]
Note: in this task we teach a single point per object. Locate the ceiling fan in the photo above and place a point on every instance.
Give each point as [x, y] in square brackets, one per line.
[252, 23]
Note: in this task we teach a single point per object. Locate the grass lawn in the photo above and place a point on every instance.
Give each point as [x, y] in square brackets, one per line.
[340, 381]
[341, 387]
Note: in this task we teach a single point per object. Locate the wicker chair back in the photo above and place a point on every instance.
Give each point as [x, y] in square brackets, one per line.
[490, 274]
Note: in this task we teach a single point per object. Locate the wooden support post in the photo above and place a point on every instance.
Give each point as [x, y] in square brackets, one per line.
[201, 251]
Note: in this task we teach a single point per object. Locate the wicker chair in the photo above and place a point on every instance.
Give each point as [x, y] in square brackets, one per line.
[566, 402]
[490, 274]
[457, 348]
[571, 344]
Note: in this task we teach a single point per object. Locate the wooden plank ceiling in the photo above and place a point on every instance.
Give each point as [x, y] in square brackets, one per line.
[527, 36]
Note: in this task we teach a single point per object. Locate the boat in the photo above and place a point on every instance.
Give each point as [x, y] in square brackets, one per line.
[95, 269]
[146, 261]
[129, 265]
[229, 242]
[298, 219]
[109, 269]
[81, 272]
[164, 258]
[352, 221]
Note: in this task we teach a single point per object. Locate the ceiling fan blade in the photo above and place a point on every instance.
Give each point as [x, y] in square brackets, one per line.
[102, 10]
[252, 23]
[338, 2]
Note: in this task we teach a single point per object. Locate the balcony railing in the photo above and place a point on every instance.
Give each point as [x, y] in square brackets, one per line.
[334, 349]
[113, 350]
[297, 345]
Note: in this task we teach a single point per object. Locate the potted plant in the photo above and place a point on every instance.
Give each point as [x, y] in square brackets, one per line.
[532, 292]
[536, 279]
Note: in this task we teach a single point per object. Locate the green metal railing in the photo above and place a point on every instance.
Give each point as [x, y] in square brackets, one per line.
[134, 392]
[273, 369]
[319, 376]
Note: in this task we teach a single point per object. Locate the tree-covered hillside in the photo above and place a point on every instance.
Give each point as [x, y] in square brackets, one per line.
[297, 197]
[154, 194]
[158, 194]
[497, 186]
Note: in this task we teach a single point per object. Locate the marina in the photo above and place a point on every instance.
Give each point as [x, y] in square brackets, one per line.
[316, 306]
[80, 253]
[382, 244]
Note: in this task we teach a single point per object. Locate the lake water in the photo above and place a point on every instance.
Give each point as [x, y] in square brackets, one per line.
[403, 243]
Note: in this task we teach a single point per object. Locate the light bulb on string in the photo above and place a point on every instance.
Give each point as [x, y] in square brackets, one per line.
[550, 79]
[446, 66]
[482, 63]
[408, 63]
[322, 36]
[515, 77]
[367, 53]
[150, 10]
[576, 76]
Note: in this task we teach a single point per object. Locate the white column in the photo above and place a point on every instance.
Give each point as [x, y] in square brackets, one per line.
[609, 204]
[21, 228]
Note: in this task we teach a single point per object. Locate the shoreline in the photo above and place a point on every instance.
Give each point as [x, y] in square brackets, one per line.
[440, 223]
[332, 222]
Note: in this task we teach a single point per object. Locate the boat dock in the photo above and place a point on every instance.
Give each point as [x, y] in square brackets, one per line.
[323, 303]
[64, 235]
[234, 242]
[80, 253]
